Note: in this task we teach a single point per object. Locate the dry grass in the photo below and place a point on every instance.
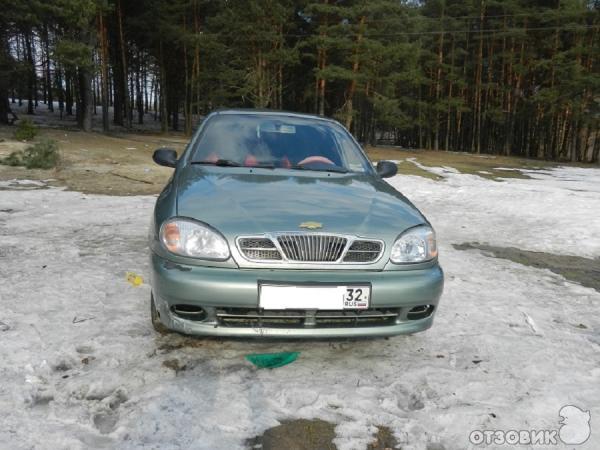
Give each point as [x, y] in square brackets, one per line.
[121, 164]
[486, 166]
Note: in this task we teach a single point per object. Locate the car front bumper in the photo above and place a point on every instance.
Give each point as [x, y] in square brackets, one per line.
[225, 293]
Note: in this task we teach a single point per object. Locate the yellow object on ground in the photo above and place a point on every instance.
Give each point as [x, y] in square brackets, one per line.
[134, 279]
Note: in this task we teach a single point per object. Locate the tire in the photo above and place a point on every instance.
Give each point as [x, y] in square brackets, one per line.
[155, 318]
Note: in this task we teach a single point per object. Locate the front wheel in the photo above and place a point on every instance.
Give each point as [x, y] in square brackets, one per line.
[155, 318]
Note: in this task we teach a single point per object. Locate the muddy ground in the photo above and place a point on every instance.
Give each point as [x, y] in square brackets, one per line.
[585, 271]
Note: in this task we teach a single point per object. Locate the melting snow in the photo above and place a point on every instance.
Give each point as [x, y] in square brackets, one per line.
[506, 351]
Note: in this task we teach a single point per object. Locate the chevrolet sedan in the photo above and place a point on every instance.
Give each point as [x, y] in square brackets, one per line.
[276, 224]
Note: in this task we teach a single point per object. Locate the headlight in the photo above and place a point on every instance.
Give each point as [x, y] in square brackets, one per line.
[415, 245]
[185, 237]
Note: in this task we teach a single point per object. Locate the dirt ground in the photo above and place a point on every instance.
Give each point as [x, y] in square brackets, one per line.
[121, 163]
[117, 164]
[492, 167]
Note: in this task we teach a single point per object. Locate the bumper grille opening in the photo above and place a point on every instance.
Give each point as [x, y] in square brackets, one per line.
[247, 318]
[261, 249]
[263, 243]
[420, 312]
[363, 251]
[189, 312]
[262, 255]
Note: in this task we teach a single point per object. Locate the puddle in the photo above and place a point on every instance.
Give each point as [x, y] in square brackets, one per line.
[298, 434]
[584, 271]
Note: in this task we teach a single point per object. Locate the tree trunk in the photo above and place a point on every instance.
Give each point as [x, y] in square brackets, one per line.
[31, 75]
[478, 75]
[4, 76]
[438, 82]
[102, 35]
[139, 99]
[69, 92]
[196, 69]
[355, 67]
[163, 91]
[60, 90]
[123, 62]
[187, 98]
[50, 96]
[450, 86]
[85, 105]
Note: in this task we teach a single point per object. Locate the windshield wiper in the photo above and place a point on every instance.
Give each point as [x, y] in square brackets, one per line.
[230, 163]
[219, 162]
[335, 169]
[266, 165]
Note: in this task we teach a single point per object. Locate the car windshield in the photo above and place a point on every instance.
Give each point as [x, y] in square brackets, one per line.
[277, 141]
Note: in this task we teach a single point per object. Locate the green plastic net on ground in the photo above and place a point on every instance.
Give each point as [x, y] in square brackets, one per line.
[272, 360]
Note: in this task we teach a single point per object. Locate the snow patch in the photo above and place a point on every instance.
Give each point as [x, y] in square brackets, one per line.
[506, 351]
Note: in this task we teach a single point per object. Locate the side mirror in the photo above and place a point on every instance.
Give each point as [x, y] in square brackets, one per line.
[387, 169]
[165, 157]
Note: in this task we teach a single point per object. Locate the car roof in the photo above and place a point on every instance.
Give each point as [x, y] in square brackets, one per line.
[270, 112]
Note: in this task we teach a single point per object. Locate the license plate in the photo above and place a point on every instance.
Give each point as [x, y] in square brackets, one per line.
[331, 297]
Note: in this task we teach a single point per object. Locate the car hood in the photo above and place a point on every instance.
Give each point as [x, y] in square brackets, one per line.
[242, 201]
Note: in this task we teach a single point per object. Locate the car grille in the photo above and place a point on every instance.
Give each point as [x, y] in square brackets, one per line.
[312, 247]
[242, 317]
[261, 249]
[363, 251]
[309, 248]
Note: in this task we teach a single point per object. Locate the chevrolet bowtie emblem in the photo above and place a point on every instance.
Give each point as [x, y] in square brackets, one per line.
[311, 225]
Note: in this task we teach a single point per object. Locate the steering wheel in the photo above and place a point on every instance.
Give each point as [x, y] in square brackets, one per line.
[316, 159]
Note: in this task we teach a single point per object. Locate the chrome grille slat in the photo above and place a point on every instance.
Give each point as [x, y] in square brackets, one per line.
[303, 247]
[333, 246]
[312, 247]
[321, 246]
[306, 242]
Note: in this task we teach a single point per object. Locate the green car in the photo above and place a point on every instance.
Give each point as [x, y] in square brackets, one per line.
[276, 224]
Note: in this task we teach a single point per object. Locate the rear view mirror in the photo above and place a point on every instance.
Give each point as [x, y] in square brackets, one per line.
[386, 169]
[165, 157]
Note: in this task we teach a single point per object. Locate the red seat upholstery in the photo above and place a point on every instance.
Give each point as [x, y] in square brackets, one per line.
[250, 161]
